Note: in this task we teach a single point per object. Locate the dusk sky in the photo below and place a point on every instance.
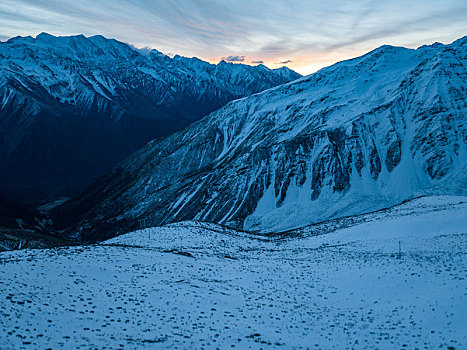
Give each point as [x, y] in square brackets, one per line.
[302, 34]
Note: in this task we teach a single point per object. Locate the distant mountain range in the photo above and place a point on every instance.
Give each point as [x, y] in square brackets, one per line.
[355, 137]
[73, 107]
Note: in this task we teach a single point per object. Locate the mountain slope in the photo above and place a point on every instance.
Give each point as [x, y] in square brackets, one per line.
[73, 107]
[355, 137]
[23, 227]
[194, 285]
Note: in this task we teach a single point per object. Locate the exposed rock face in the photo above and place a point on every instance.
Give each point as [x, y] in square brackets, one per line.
[357, 136]
[73, 107]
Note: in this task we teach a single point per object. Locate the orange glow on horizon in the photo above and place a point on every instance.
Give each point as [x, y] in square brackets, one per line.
[304, 64]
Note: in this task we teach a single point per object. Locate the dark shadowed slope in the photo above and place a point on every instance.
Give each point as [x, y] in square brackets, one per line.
[73, 107]
[22, 226]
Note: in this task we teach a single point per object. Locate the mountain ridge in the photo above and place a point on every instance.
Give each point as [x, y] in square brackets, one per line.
[72, 107]
[355, 137]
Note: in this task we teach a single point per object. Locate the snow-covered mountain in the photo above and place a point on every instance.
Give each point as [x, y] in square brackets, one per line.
[73, 107]
[355, 137]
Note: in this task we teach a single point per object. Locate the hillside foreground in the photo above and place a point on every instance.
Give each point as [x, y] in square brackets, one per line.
[338, 284]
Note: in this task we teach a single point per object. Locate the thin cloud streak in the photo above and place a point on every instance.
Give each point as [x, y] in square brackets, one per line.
[235, 58]
[311, 34]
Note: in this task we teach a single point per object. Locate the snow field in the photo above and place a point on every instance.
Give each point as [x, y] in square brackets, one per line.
[194, 285]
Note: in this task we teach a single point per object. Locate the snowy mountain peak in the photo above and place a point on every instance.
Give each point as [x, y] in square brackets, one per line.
[46, 37]
[286, 72]
[461, 42]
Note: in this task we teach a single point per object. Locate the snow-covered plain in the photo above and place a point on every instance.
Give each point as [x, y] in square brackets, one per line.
[340, 284]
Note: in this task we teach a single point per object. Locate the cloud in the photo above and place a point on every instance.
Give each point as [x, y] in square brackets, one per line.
[285, 62]
[235, 58]
[205, 28]
[275, 49]
[257, 62]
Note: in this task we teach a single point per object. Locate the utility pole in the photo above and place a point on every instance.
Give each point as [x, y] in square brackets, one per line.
[142, 227]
